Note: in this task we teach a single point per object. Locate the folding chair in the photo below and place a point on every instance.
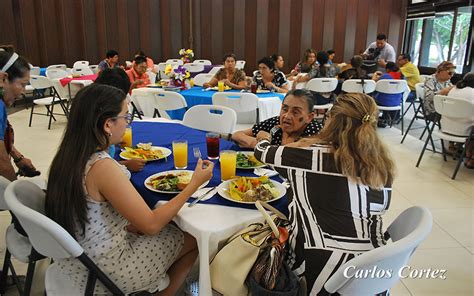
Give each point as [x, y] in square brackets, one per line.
[80, 64]
[389, 86]
[452, 110]
[194, 68]
[365, 86]
[82, 71]
[174, 61]
[322, 85]
[219, 119]
[242, 103]
[26, 201]
[167, 101]
[214, 70]
[202, 78]
[202, 62]
[240, 64]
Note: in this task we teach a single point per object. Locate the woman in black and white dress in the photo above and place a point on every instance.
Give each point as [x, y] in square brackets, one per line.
[340, 186]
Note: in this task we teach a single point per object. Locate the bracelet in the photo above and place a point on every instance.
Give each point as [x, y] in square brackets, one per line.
[17, 160]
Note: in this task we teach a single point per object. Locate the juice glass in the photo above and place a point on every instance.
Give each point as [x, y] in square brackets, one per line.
[228, 164]
[127, 138]
[220, 86]
[212, 142]
[180, 154]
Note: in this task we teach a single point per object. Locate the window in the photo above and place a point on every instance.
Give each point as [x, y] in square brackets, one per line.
[460, 38]
[438, 41]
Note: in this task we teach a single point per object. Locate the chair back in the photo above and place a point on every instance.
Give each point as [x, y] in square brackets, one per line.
[40, 82]
[3, 185]
[26, 201]
[407, 232]
[457, 115]
[162, 67]
[240, 64]
[128, 64]
[82, 71]
[202, 78]
[152, 76]
[365, 86]
[420, 91]
[239, 102]
[56, 73]
[94, 68]
[423, 77]
[174, 61]
[194, 68]
[202, 62]
[218, 119]
[214, 70]
[391, 86]
[80, 64]
[167, 101]
[35, 70]
[58, 66]
[143, 99]
[322, 85]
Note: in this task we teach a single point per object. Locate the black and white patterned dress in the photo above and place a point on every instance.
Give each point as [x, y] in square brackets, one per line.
[332, 219]
[311, 129]
[279, 79]
[133, 262]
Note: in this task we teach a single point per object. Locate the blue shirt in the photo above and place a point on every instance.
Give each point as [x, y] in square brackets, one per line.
[388, 100]
[3, 119]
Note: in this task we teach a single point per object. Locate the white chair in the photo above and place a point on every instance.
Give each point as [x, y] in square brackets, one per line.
[26, 201]
[240, 103]
[202, 62]
[95, 68]
[365, 86]
[82, 71]
[56, 73]
[194, 68]
[240, 64]
[152, 76]
[162, 67]
[174, 61]
[391, 86]
[58, 66]
[143, 101]
[407, 232]
[211, 118]
[20, 247]
[202, 78]
[35, 70]
[40, 83]
[457, 114]
[128, 64]
[167, 101]
[214, 70]
[424, 77]
[419, 112]
[322, 85]
[80, 64]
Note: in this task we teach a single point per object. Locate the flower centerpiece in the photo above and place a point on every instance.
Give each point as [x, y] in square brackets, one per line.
[179, 76]
[186, 55]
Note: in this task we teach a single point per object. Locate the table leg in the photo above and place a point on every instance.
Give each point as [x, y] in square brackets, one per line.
[205, 287]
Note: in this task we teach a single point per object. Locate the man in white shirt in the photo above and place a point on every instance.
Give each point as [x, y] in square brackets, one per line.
[381, 51]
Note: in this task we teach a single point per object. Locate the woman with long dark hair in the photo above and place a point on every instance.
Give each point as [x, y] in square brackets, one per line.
[90, 195]
[340, 187]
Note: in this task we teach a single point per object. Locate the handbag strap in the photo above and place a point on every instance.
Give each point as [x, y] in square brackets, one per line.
[261, 205]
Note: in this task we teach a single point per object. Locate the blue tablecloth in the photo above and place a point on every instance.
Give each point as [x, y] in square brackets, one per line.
[43, 71]
[198, 96]
[162, 134]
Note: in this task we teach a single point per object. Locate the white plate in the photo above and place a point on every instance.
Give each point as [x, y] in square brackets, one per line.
[174, 172]
[250, 168]
[262, 91]
[223, 188]
[166, 153]
[217, 88]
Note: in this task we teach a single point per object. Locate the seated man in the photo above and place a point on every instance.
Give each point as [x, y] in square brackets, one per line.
[296, 120]
[110, 62]
[137, 75]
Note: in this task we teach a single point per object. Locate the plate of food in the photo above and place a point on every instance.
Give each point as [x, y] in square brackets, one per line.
[246, 160]
[226, 87]
[247, 190]
[145, 151]
[262, 91]
[170, 181]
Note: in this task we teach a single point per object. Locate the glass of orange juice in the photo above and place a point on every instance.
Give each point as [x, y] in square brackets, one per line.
[127, 138]
[220, 86]
[228, 159]
[180, 154]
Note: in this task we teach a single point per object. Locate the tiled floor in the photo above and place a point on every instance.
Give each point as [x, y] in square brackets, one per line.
[450, 245]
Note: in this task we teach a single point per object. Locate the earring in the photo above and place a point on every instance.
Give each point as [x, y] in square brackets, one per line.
[110, 134]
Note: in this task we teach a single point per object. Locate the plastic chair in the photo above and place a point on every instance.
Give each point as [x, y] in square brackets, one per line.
[240, 64]
[35, 70]
[143, 101]
[365, 86]
[162, 67]
[95, 68]
[58, 66]
[40, 83]
[80, 64]
[239, 102]
[202, 62]
[174, 61]
[407, 232]
[202, 78]
[322, 85]
[455, 113]
[194, 68]
[82, 71]
[389, 86]
[56, 73]
[152, 76]
[218, 119]
[167, 101]
[214, 70]
[26, 201]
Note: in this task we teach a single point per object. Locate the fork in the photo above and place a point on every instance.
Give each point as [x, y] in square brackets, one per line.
[198, 155]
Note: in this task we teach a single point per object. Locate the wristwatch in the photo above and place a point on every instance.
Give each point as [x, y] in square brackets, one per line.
[17, 160]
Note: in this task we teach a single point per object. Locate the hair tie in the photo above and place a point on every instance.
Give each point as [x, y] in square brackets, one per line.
[10, 62]
[367, 118]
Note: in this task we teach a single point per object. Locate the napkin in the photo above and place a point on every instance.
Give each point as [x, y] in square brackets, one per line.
[201, 191]
[265, 172]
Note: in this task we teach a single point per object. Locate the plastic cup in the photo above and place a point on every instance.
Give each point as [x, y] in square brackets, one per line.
[253, 88]
[212, 142]
[180, 154]
[228, 160]
[127, 138]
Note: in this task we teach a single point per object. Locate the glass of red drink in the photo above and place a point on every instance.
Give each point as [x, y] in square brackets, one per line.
[212, 141]
[253, 88]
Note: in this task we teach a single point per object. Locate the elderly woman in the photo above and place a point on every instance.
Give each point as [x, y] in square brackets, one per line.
[231, 76]
[437, 84]
[14, 76]
[95, 202]
[340, 188]
[296, 120]
[267, 77]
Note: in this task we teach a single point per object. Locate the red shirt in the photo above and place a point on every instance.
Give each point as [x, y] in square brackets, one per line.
[133, 76]
[396, 75]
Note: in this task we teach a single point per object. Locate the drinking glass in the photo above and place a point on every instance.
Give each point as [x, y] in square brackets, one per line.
[253, 88]
[212, 142]
[127, 138]
[228, 161]
[220, 86]
[180, 154]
